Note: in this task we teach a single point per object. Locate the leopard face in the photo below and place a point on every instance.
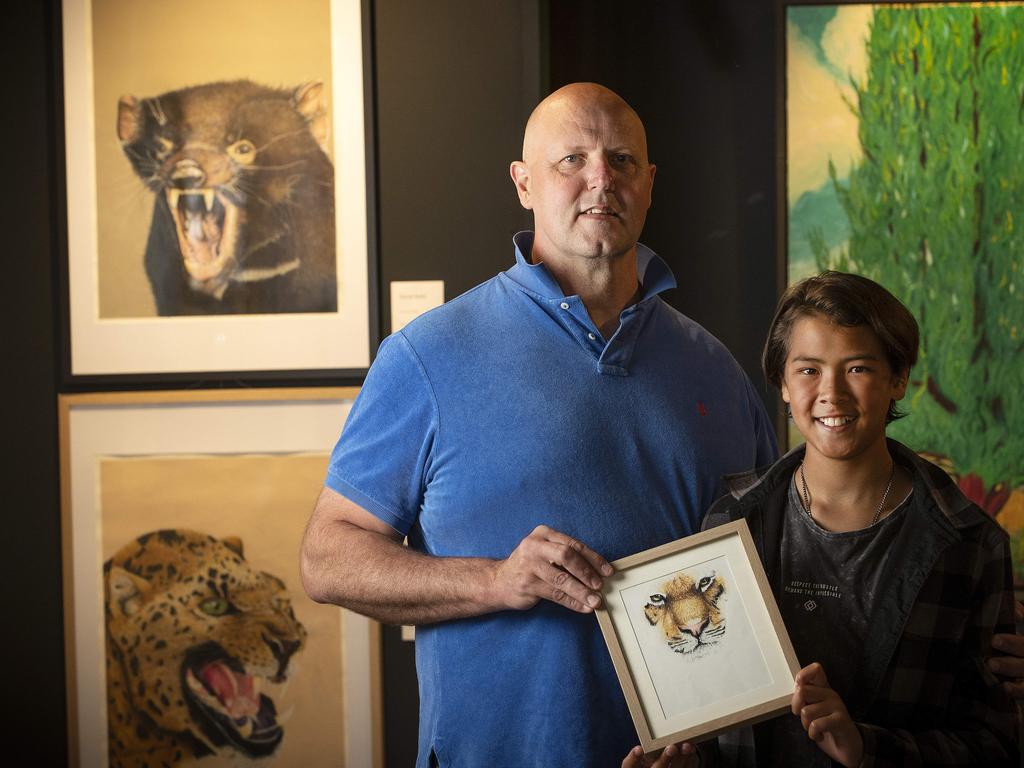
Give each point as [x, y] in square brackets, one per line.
[687, 611]
[193, 633]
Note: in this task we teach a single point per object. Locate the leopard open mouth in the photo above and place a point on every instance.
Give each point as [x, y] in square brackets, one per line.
[208, 225]
[228, 703]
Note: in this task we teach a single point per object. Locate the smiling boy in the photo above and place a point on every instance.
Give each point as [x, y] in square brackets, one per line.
[891, 583]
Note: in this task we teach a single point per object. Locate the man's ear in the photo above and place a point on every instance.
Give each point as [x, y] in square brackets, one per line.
[521, 178]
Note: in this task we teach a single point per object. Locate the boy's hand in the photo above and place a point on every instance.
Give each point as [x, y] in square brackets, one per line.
[825, 718]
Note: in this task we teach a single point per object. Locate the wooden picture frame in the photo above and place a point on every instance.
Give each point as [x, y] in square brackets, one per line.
[735, 664]
[134, 308]
[147, 478]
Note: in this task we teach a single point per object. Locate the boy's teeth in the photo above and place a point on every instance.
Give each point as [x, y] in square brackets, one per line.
[835, 421]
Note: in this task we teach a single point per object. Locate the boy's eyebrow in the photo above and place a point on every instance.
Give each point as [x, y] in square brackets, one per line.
[848, 359]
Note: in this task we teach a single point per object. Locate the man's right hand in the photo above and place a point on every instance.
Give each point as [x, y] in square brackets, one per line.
[550, 565]
[353, 559]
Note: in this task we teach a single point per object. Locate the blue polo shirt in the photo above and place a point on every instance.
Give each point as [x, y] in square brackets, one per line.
[505, 409]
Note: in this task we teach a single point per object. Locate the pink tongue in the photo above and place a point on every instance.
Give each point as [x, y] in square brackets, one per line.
[234, 690]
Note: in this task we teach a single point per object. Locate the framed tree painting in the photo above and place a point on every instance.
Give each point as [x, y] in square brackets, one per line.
[190, 640]
[218, 194]
[903, 138]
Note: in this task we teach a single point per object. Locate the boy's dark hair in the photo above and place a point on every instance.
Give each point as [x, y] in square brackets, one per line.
[846, 300]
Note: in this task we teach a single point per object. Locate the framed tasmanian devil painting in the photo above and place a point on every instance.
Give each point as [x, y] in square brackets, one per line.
[189, 638]
[219, 201]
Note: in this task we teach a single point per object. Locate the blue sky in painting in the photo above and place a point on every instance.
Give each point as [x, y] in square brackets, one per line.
[820, 42]
[811, 21]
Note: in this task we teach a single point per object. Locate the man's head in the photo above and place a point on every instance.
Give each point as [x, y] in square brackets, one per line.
[584, 174]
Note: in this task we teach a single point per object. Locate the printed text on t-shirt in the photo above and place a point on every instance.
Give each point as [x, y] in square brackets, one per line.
[813, 588]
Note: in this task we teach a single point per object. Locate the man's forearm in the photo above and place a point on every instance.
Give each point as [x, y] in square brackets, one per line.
[375, 575]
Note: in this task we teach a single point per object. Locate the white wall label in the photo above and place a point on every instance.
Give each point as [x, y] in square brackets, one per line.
[411, 298]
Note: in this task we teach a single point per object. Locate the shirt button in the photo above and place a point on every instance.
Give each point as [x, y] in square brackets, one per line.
[564, 305]
[591, 336]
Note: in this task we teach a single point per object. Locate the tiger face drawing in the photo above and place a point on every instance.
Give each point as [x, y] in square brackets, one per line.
[687, 611]
[194, 635]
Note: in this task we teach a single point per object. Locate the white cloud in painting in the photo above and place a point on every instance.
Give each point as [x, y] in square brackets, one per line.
[844, 41]
[820, 125]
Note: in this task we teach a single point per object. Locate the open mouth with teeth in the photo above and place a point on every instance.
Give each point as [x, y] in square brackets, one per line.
[208, 225]
[227, 702]
[600, 210]
[835, 421]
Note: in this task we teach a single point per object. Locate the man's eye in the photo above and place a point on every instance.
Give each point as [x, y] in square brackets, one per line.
[571, 159]
[859, 369]
[621, 159]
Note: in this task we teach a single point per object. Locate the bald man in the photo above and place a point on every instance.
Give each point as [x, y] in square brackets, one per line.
[555, 418]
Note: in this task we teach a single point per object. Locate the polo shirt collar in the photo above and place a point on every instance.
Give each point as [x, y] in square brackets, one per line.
[652, 271]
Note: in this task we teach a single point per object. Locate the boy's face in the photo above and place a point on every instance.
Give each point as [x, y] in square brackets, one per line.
[839, 384]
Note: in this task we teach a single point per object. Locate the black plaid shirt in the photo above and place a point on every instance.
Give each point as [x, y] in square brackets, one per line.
[927, 697]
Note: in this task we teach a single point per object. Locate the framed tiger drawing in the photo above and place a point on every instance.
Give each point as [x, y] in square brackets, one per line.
[696, 638]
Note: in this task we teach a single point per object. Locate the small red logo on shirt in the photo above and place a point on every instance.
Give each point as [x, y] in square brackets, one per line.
[701, 409]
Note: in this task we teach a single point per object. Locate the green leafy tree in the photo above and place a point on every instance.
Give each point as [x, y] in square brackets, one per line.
[936, 210]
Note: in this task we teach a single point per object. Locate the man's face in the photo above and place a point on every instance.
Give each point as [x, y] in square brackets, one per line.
[586, 178]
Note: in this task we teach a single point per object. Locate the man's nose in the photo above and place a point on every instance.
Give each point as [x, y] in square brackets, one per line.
[601, 176]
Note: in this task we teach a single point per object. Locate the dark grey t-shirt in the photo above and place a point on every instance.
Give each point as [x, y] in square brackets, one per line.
[827, 590]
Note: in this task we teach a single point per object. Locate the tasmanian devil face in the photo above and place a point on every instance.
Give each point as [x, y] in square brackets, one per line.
[227, 159]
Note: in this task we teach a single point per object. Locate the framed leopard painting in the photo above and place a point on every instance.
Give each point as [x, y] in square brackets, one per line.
[190, 640]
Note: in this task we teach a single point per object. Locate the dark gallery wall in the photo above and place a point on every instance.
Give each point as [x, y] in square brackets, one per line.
[32, 704]
[455, 82]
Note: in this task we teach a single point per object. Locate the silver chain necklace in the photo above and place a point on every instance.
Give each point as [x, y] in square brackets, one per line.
[881, 504]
